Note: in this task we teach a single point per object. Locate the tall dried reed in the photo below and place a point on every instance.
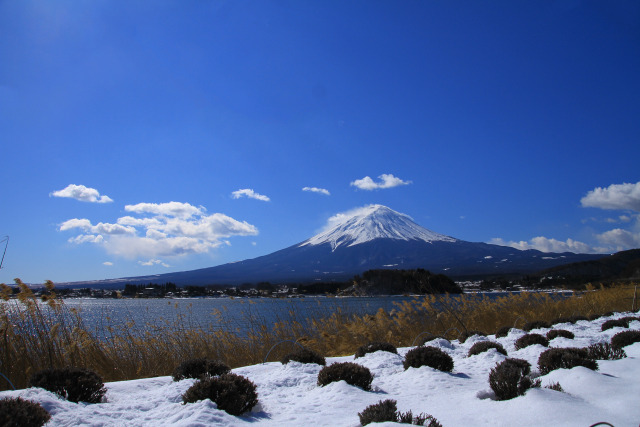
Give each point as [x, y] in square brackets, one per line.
[36, 334]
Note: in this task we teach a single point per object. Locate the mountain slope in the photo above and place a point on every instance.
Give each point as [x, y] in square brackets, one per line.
[369, 238]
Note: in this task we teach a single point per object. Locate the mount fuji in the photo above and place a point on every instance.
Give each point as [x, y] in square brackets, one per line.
[371, 237]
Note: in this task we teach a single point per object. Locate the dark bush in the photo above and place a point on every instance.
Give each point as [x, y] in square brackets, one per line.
[609, 324]
[565, 358]
[608, 313]
[531, 339]
[199, 368]
[510, 379]
[418, 420]
[304, 355]
[467, 334]
[483, 346]
[535, 325]
[352, 373]
[232, 393]
[503, 331]
[592, 317]
[554, 333]
[385, 410]
[629, 319]
[625, 338]
[372, 347]
[428, 356]
[73, 384]
[605, 351]
[17, 412]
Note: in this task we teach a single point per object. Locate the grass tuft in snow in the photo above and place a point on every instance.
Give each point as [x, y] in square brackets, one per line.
[372, 347]
[428, 356]
[15, 411]
[199, 368]
[565, 358]
[232, 393]
[351, 373]
[510, 379]
[386, 411]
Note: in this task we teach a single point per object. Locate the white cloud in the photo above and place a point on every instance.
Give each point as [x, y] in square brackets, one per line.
[82, 193]
[386, 181]
[317, 190]
[620, 239]
[173, 229]
[247, 192]
[100, 228]
[545, 244]
[154, 262]
[107, 263]
[177, 209]
[616, 196]
[86, 238]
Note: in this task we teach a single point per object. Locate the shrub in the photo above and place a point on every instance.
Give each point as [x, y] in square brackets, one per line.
[372, 347]
[232, 393]
[566, 358]
[554, 333]
[531, 339]
[535, 325]
[625, 338]
[503, 331]
[304, 355]
[385, 410]
[605, 351]
[352, 373]
[73, 384]
[609, 324]
[483, 346]
[418, 420]
[510, 379]
[199, 368]
[555, 386]
[466, 334]
[15, 411]
[629, 319]
[592, 317]
[428, 356]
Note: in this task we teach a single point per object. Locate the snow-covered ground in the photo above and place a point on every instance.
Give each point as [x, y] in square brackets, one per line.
[289, 395]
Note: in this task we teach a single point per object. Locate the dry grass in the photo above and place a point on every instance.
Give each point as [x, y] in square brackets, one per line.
[34, 337]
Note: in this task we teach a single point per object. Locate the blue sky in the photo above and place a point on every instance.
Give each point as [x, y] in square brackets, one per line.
[147, 137]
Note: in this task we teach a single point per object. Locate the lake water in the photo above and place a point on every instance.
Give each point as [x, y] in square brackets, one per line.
[222, 313]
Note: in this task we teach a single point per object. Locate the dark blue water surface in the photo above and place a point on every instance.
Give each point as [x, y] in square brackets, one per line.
[236, 314]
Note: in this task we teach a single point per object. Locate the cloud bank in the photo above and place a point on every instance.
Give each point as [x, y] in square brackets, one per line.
[387, 180]
[616, 196]
[317, 190]
[544, 244]
[82, 193]
[625, 197]
[160, 230]
[247, 192]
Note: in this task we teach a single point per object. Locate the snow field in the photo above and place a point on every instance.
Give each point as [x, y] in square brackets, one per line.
[289, 396]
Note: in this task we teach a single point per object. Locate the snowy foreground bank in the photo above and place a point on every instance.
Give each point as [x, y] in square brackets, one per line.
[289, 395]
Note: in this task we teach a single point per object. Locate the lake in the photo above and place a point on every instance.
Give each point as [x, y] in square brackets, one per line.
[222, 313]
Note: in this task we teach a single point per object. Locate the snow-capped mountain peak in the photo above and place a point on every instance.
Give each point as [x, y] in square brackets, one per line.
[372, 222]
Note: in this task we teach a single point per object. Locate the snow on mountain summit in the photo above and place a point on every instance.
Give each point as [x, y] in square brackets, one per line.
[372, 222]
